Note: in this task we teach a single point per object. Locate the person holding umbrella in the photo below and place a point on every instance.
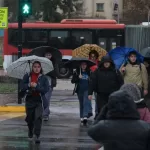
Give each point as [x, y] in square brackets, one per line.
[81, 79]
[55, 56]
[135, 72]
[35, 85]
[93, 56]
[33, 88]
[52, 83]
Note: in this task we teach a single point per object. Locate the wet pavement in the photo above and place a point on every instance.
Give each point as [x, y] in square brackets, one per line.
[62, 132]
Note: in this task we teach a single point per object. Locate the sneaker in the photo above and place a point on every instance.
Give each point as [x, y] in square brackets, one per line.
[90, 115]
[30, 134]
[81, 120]
[37, 140]
[45, 118]
[85, 120]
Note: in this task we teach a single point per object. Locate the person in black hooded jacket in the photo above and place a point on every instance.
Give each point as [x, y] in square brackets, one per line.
[104, 81]
[119, 126]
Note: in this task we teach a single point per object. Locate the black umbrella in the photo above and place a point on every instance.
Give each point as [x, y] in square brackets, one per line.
[76, 62]
[41, 51]
[146, 52]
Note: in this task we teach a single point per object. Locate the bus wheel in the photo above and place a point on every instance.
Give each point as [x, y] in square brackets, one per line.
[63, 73]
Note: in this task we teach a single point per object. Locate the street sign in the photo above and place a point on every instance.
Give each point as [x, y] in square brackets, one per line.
[3, 17]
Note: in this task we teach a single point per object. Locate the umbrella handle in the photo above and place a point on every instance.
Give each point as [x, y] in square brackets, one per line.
[80, 71]
[29, 66]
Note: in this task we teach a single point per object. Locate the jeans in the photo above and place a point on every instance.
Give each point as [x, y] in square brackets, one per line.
[90, 107]
[46, 103]
[83, 103]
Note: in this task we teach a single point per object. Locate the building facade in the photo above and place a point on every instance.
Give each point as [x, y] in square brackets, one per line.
[1, 3]
[103, 9]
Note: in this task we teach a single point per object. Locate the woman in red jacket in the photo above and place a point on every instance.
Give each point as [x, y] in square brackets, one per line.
[93, 56]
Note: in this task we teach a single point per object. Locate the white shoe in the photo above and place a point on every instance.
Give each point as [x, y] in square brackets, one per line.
[81, 120]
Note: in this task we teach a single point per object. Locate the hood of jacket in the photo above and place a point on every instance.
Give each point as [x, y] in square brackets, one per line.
[134, 91]
[121, 106]
[106, 58]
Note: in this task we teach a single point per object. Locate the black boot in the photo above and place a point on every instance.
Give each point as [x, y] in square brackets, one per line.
[37, 139]
[30, 132]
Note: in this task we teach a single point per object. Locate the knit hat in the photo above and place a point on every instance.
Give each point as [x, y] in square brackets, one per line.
[134, 91]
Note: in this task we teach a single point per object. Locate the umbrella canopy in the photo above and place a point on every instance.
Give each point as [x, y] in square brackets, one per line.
[24, 64]
[84, 51]
[146, 52]
[76, 62]
[120, 55]
[40, 51]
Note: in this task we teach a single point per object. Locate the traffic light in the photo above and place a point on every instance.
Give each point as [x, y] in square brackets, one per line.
[115, 7]
[26, 7]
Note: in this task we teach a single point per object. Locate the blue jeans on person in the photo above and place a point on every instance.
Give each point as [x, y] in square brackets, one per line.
[46, 103]
[90, 107]
[83, 103]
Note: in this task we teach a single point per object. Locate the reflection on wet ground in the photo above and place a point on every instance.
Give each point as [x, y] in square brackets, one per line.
[62, 132]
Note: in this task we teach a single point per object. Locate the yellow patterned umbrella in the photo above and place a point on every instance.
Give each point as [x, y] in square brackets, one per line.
[84, 50]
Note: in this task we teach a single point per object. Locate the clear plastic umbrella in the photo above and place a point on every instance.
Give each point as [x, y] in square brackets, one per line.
[24, 64]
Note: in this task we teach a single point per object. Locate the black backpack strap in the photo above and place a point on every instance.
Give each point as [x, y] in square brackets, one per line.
[140, 67]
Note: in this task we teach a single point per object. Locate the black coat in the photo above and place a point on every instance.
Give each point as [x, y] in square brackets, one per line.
[119, 126]
[105, 81]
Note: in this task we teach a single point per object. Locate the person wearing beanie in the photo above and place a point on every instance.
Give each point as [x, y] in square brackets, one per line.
[134, 91]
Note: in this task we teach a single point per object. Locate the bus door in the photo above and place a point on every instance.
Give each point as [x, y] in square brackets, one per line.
[109, 39]
[108, 43]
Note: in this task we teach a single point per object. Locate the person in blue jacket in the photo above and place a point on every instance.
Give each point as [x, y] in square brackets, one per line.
[81, 79]
[35, 85]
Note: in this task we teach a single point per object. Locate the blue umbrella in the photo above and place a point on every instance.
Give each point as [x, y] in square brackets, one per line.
[120, 55]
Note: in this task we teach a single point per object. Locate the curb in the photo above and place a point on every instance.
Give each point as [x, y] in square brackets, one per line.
[12, 108]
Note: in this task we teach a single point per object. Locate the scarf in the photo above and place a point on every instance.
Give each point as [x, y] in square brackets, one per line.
[34, 78]
[93, 68]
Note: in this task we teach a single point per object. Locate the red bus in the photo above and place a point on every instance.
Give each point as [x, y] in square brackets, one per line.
[66, 36]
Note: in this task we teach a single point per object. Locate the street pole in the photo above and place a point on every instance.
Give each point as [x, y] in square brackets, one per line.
[118, 15]
[20, 20]
[148, 17]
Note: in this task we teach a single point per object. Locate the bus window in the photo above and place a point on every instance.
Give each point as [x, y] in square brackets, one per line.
[37, 36]
[13, 36]
[114, 42]
[59, 39]
[80, 37]
[102, 43]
